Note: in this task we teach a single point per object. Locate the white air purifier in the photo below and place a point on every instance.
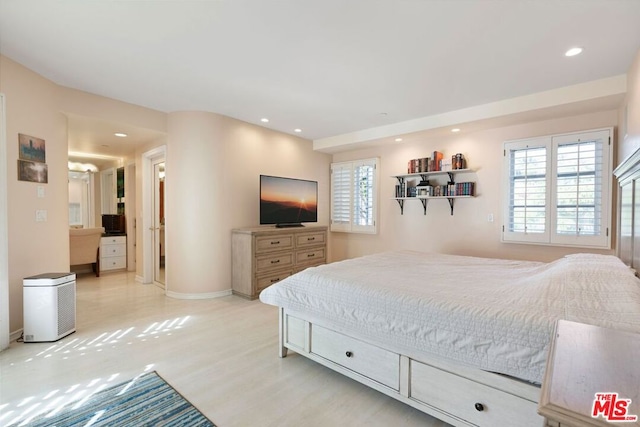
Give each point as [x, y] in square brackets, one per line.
[49, 305]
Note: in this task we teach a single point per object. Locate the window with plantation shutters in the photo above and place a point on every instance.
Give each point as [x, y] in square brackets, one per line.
[341, 174]
[558, 190]
[353, 196]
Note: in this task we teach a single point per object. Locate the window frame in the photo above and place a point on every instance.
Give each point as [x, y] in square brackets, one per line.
[550, 236]
[344, 206]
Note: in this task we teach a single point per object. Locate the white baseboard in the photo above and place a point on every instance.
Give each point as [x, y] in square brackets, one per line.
[207, 295]
[139, 279]
[13, 336]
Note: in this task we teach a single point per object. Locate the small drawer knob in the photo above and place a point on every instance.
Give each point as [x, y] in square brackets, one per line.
[349, 354]
[479, 407]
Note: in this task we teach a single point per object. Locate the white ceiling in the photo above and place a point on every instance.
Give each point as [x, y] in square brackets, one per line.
[331, 68]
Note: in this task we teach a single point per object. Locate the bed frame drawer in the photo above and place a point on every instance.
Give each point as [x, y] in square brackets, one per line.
[477, 403]
[373, 362]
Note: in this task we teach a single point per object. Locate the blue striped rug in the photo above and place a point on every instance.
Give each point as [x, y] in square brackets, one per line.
[144, 401]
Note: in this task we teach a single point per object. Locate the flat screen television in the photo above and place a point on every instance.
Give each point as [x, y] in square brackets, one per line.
[288, 202]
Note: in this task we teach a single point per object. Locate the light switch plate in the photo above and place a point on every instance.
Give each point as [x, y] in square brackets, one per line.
[41, 215]
[40, 191]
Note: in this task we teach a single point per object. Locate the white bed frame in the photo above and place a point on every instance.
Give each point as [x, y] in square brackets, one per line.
[458, 395]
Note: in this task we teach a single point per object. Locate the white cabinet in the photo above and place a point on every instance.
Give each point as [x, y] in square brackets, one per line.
[113, 253]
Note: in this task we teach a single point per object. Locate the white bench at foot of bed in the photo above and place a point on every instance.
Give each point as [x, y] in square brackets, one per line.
[457, 395]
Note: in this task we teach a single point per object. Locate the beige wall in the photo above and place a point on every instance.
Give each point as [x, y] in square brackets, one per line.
[467, 232]
[34, 247]
[213, 165]
[630, 141]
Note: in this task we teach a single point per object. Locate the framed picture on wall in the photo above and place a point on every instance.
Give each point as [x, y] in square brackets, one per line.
[32, 171]
[31, 148]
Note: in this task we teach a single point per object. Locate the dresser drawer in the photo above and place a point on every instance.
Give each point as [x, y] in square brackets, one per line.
[307, 239]
[113, 240]
[310, 256]
[456, 395]
[373, 362]
[271, 262]
[265, 281]
[274, 243]
[113, 263]
[113, 250]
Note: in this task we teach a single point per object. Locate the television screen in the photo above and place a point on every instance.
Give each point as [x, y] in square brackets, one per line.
[114, 224]
[287, 201]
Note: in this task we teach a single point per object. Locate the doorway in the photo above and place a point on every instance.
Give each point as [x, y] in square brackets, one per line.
[159, 246]
[153, 221]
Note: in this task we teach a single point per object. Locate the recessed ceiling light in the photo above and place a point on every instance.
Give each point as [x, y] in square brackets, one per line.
[398, 139]
[573, 51]
[455, 130]
[120, 135]
[297, 130]
[264, 120]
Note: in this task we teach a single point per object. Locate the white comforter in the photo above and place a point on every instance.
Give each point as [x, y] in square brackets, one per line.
[496, 315]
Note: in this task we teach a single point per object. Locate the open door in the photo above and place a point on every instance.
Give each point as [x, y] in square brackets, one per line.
[159, 247]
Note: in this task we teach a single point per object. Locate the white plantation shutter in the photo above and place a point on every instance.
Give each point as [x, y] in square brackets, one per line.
[353, 196]
[558, 190]
[581, 210]
[341, 196]
[528, 187]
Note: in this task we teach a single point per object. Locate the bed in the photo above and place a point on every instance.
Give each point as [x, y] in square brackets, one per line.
[464, 339]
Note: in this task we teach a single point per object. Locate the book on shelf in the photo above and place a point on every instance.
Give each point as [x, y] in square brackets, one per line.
[457, 189]
[436, 161]
[418, 165]
[401, 190]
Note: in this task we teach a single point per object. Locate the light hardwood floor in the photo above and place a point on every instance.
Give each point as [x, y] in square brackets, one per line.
[221, 354]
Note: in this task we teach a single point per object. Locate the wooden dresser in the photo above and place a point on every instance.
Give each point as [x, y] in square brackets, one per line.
[587, 363]
[262, 256]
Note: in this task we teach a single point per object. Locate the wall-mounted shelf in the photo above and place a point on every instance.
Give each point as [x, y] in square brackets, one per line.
[424, 201]
[424, 176]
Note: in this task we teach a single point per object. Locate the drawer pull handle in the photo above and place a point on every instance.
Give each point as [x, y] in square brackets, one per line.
[276, 242]
[310, 255]
[275, 261]
[349, 354]
[479, 407]
[311, 239]
[275, 280]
